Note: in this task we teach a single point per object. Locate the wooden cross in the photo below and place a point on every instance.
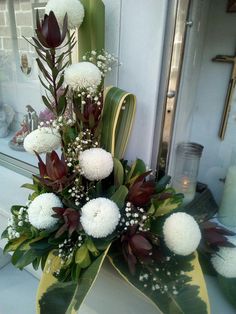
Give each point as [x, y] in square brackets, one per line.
[229, 95]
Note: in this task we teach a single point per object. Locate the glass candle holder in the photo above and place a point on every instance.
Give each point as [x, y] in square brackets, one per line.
[186, 168]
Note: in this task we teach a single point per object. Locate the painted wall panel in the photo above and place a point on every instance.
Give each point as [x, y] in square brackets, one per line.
[142, 31]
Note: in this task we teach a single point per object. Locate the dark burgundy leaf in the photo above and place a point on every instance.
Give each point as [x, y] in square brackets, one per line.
[54, 33]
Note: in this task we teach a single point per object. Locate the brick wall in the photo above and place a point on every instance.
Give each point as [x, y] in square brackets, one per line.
[24, 24]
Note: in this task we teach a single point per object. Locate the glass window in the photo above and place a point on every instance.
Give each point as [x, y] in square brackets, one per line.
[21, 107]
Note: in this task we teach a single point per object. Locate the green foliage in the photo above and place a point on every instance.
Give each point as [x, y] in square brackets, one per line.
[92, 38]
[118, 173]
[120, 195]
[162, 183]
[166, 203]
[82, 257]
[228, 286]
[174, 293]
[117, 123]
[136, 169]
[63, 298]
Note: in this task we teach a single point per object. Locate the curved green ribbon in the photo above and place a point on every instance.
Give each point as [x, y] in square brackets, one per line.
[117, 121]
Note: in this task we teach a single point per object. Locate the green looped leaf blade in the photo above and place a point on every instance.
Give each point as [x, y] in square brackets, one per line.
[66, 298]
[91, 33]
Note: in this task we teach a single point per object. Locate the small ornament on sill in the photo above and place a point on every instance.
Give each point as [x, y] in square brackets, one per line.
[25, 68]
[186, 169]
[29, 124]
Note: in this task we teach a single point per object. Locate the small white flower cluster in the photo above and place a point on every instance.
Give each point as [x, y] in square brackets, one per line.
[73, 8]
[42, 140]
[100, 217]
[134, 216]
[102, 59]
[153, 280]
[182, 234]
[78, 192]
[95, 164]
[40, 211]
[61, 122]
[15, 223]
[83, 77]
[67, 248]
[95, 98]
[224, 261]
[82, 142]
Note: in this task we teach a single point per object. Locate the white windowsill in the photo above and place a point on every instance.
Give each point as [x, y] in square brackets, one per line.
[109, 292]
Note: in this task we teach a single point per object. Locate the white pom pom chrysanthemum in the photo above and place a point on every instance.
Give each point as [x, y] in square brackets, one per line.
[224, 261]
[83, 76]
[181, 233]
[73, 8]
[95, 164]
[40, 211]
[43, 140]
[99, 217]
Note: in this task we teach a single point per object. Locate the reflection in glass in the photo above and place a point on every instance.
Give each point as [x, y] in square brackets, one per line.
[19, 84]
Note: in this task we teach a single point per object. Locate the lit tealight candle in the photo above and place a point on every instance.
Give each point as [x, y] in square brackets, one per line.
[186, 187]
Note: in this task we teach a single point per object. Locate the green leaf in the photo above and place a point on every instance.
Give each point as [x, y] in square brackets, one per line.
[118, 173]
[228, 286]
[64, 298]
[29, 186]
[82, 257]
[165, 207]
[62, 103]
[91, 247]
[13, 245]
[24, 258]
[5, 234]
[15, 209]
[117, 123]
[120, 195]
[47, 103]
[43, 69]
[162, 183]
[137, 168]
[92, 38]
[185, 301]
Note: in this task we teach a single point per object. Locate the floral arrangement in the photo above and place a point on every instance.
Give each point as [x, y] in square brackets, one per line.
[91, 203]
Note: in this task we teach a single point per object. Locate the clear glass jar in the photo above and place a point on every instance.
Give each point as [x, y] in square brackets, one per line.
[186, 167]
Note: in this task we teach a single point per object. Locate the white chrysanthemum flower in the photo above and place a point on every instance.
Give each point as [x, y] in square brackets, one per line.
[95, 164]
[99, 217]
[83, 75]
[224, 261]
[40, 211]
[73, 8]
[42, 140]
[181, 233]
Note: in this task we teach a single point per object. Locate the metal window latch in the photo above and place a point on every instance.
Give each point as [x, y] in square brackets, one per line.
[189, 23]
[171, 94]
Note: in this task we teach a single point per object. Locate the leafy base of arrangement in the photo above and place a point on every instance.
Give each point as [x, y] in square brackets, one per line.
[90, 203]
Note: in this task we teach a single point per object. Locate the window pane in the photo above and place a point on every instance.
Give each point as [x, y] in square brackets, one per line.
[20, 90]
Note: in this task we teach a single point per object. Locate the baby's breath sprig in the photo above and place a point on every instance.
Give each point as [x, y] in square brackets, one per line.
[102, 59]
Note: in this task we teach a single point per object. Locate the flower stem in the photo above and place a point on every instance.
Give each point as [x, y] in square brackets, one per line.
[70, 48]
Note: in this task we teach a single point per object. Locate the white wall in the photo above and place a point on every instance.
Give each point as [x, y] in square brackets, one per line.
[141, 44]
[201, 111]
[135, 32]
